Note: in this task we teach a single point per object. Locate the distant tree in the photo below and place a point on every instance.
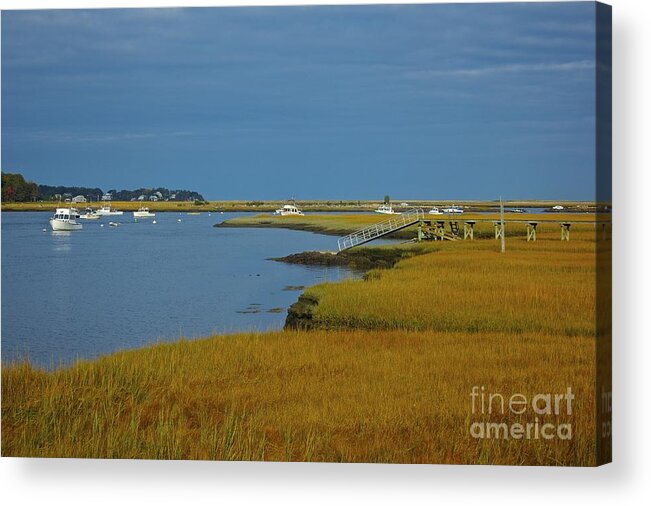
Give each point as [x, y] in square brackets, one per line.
[387, 199]
[16, 189]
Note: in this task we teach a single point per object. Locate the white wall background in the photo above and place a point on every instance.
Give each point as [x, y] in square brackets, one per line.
[627, 481]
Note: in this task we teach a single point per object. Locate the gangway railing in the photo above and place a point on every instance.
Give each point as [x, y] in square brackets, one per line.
[380, 229]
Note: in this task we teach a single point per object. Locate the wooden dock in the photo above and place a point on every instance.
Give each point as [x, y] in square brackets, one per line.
[435, 228]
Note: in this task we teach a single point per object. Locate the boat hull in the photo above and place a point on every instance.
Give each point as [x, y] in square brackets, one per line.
[143, 214]
[67, 226]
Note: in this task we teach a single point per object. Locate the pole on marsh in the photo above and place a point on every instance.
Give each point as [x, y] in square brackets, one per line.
[502, 224]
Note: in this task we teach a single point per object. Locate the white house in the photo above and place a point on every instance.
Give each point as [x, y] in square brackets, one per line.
[79, 199]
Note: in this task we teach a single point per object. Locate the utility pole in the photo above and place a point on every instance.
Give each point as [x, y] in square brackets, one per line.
[502, 225]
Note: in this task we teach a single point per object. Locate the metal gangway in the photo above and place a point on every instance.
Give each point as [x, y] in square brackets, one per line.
[383, 228]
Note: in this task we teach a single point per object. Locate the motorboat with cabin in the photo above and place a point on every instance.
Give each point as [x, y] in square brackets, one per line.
[90, 214]
[65, 219]
[435, 210]
[453, 210]
[107, 211]
[386, 209]
[143, 212]
[289, 210]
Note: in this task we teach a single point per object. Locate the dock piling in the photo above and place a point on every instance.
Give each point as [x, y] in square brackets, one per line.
[499, 230]
[565, 231]
[469, 229]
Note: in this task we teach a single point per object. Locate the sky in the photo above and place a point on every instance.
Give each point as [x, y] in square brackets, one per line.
[441, 102]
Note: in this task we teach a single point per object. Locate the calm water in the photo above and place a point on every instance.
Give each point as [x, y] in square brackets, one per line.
[90, 292]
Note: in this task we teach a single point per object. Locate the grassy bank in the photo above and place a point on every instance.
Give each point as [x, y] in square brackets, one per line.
[384, 376]
[342, 224]
[467, 287]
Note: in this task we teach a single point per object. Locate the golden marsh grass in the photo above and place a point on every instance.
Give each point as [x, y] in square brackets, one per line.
[336, 396]
[546, 286]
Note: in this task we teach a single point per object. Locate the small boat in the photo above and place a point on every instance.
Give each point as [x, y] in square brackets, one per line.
[107, 211]
[65, 219]
[289, 210]
[558, 208]
[386, 209]
[435, 210]
[516, 210]
[453, 210]
[113, 224]
[143, 212]
[90, 214]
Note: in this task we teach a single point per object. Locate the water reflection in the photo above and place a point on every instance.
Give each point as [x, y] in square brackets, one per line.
[62, 240]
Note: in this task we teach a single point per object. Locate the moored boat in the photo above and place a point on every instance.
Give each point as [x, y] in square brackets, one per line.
[64, 219]
[289, 210]
[386, 209]
[90, 214]
[143, 212]
[107, 211]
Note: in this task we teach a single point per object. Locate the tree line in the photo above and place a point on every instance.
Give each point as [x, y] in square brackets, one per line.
[16, 189]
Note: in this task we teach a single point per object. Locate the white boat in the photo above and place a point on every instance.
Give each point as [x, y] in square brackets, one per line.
[90, 214]
[435, 210]
[558, 208]
[452, 210]
[65, 219]
[143, 212]
[289, 210]
[107, 211]
[386, 209]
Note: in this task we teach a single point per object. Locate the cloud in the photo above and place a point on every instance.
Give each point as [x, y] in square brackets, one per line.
[514, 68]
[64, 137]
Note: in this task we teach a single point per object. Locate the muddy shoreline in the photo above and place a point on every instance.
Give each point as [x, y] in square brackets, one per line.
[300, 315]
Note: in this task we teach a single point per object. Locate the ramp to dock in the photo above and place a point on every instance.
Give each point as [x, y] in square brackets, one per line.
[381, 229]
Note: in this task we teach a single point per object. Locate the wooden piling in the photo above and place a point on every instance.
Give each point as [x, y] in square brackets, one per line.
[565, 231]
[499, 229]
[531, 230]
[469, 229]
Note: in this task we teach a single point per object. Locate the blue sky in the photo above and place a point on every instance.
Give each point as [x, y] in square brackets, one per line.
[451, 101]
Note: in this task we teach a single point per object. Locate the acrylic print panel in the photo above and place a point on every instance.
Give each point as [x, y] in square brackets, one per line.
[343, 234]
